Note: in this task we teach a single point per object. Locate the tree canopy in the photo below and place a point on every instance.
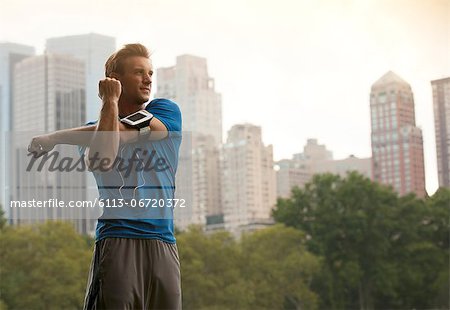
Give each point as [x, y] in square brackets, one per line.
[267, 269]
[379, 250]
[340, 243]
[43, 266]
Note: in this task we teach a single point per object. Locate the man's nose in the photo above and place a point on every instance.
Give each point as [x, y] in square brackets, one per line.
[147, 78]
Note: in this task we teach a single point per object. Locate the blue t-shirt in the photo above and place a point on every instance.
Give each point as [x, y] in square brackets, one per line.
[143, 183]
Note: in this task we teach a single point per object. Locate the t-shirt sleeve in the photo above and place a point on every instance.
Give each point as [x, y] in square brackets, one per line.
[167, 112]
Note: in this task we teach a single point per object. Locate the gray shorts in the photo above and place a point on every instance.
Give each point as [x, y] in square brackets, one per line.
[134, 274]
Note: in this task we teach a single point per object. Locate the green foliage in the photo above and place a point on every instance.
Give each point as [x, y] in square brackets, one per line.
[379, 250]
[209, 271]
[268, 269]
[439, 233]
[3, 305]
[3, 220]
[279, 269]
[43, 267]
[348, 243]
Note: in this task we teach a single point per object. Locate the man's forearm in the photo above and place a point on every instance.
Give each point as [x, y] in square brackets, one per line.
[106, 138]
[82, 136]
[74, 136]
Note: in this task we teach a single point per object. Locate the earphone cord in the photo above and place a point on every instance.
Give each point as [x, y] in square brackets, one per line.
[123, 180]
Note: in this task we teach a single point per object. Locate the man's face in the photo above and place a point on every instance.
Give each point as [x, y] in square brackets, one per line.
[136, 79]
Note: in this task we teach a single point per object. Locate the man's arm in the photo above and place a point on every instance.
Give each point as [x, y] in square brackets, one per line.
[74, 136]
[103, 138]
[106, 138]
[82, 136]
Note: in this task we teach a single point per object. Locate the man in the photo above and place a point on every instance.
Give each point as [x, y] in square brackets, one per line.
[135, 263]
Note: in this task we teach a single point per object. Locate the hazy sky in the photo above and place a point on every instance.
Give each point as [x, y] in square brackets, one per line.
[300, 69]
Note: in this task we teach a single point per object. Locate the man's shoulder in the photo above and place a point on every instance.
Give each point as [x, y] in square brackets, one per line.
[167, 112]
[162, 103]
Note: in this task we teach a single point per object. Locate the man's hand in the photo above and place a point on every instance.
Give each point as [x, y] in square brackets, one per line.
[41, 145]
[109, 89]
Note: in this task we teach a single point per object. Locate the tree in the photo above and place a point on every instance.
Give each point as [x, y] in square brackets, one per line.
[43, 267]
[279, 268]
[439, 233]
[209, 271]
[374, 244]
[267, 269]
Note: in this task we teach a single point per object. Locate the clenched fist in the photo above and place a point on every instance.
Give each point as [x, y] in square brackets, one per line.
[41, 145]
[109, 89]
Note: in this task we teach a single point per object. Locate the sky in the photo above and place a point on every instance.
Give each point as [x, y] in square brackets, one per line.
[299, 69]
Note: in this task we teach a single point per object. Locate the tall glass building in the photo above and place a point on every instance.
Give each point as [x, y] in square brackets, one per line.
[93, 49]
[10, 55]
[49, 95]
[441, 107]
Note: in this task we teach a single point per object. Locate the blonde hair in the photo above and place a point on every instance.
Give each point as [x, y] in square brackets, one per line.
[115, 61]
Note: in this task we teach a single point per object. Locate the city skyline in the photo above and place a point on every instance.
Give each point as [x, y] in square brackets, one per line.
[313, 76]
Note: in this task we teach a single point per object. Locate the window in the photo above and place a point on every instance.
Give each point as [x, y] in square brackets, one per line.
[394, 122]
[382, 97]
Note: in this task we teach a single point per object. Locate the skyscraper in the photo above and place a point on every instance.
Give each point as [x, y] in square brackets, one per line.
[397, 145]
[10, 54]
[248, 179]
[48, 79]
[189, 85]
[441, 105]
[93, 49]
[48, 95]
[198, 176]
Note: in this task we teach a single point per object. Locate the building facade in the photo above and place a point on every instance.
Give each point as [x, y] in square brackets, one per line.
[343, 166]
[441, 107]
[49, 95]
[93, 49]
[190, 86]
[198, 178]
[315, 159]
[299, 170]
[397, 143]
[10, 55]
[248, 180]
